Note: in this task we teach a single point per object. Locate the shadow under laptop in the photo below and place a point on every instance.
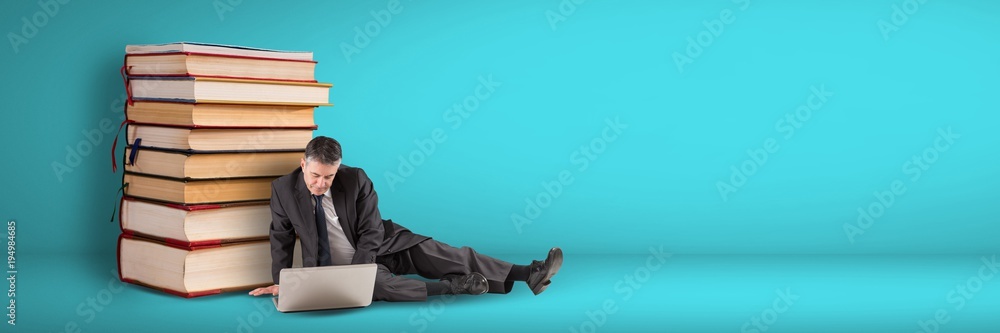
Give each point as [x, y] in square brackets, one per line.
[325, 313]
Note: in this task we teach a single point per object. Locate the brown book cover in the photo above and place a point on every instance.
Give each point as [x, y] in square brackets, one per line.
[197, 165]
[218, 49]
[168, 267]
[218, 139]
[195, 225]
[191, 89]
[200, 191]
[196, 115]
[217, 65]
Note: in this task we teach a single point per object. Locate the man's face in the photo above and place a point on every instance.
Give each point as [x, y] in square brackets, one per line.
[318, 176]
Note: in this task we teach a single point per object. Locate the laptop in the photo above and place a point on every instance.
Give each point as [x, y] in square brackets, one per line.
[327, 287]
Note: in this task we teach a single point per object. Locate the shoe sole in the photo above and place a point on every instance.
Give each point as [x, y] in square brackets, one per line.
[557, 261]
[485, 283]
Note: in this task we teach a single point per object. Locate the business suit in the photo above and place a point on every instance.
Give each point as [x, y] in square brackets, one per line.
[394, 248]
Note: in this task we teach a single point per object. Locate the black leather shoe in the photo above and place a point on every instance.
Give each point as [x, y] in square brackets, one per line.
[540, 272]
[471, 284]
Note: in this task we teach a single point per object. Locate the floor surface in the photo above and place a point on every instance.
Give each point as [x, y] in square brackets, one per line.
[592, 293]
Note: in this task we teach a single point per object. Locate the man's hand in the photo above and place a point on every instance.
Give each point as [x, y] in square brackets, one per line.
[273, 290]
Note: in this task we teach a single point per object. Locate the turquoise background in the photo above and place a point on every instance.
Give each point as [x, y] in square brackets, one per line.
[655, 184]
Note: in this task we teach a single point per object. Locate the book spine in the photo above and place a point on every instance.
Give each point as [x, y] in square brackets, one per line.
[121, 214]
[118, 256]
[196, 76]
[168, 77]
[186, 245]
[194, 293]
[249, 201]
[197, 207]
[195, 151]
[174, 243]
[217, 56]
[191, 180]
[222, 127]
[171, 100]
[160, 77]
[121, 277]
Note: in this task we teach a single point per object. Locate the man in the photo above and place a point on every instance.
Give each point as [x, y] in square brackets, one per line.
[333, 209]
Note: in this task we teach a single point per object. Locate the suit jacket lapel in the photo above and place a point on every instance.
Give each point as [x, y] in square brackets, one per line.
[307, 214]
[340, 204]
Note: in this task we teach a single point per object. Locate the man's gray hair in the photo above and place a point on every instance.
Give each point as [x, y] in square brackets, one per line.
[324, 150]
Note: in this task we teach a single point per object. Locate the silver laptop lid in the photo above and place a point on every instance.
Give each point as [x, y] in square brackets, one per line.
[327, 287]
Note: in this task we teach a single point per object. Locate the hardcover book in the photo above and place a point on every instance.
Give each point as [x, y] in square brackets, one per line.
[220, 49]
[203, 191]
[196, 271]
[211, 65]
[186, 165]
[219, 139]
[221, 115]
[224, 90]
[195, 225]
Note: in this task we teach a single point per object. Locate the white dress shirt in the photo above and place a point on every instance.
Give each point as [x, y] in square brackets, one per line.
[341, 251]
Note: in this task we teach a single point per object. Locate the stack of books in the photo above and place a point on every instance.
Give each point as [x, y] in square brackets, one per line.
[209, 128]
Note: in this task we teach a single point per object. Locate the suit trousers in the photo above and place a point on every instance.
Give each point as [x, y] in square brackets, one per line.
[432, 259]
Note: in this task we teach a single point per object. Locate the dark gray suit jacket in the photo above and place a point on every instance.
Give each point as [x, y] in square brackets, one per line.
[354, 198]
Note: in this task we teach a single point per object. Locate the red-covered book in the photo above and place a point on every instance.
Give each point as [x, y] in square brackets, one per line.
[192, 271]
[197, 191]
[189, 165]
[195, 115]
[219, 139]
[218, 49]
[195, 225]
[198, 89]
[221, 66]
